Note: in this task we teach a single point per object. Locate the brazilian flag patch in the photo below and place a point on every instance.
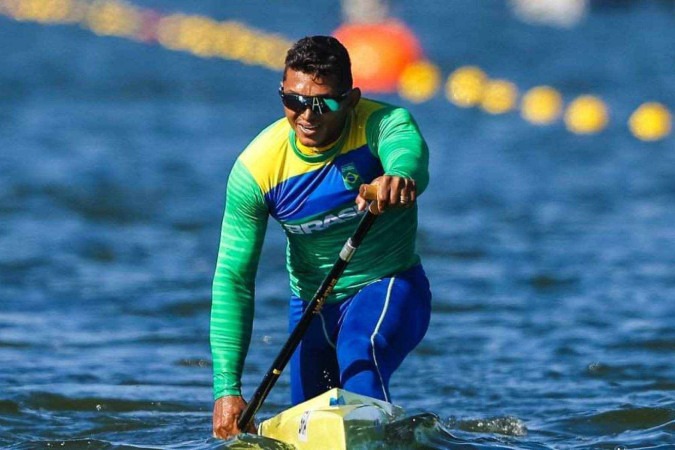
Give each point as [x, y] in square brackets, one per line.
[350, 176]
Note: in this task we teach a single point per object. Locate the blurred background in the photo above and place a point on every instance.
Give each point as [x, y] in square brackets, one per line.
[548, 229]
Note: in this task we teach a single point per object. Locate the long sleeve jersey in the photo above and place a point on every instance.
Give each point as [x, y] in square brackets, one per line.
[312, 197]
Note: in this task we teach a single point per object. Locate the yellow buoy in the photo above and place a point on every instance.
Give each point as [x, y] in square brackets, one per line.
[541, 105]
[499, 96]
[419, 81]
[650, 122]
[113, 19]
[586, 115]
[465, 86]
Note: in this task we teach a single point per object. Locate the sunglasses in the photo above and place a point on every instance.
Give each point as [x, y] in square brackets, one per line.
[318, 104]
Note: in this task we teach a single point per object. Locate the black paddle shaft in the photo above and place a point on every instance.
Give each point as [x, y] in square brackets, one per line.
[313, 308]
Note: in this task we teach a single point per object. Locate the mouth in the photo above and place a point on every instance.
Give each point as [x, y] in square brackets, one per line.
[307, 128]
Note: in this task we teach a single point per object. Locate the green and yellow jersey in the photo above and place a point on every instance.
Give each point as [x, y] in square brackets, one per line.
[312, 196]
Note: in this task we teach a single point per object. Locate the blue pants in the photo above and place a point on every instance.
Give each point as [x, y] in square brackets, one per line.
[358, 343]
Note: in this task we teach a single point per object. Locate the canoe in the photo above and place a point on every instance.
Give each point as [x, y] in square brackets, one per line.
[336, 419]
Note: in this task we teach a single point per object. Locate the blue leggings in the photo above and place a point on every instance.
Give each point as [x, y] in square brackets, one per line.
[358, 343]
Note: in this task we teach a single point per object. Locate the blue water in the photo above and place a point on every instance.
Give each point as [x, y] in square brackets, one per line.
[551, 256]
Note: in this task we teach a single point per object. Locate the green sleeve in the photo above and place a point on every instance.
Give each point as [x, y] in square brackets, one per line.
[395, 137]
[242, 235]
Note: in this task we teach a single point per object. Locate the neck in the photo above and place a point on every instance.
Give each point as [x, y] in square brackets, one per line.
[313, 150]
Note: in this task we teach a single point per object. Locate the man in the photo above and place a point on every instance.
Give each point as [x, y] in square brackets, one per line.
[305, 170]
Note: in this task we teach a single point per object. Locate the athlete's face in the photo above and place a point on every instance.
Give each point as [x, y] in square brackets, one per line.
[311, 128]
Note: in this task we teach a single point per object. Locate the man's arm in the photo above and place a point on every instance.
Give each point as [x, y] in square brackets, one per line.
[400, 145]
[394, 136]
[242, 235]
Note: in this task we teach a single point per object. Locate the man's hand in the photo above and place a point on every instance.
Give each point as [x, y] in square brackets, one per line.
[391, 191]
[226, 413]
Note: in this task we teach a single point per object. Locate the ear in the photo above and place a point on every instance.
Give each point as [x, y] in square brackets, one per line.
[354, 97]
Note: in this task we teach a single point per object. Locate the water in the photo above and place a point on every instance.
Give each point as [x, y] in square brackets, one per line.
[551, 256]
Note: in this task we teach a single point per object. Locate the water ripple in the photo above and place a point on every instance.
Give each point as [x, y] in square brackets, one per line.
[56, 402]
[622, 420]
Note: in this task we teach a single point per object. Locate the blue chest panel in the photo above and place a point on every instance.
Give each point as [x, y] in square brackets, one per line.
[332, 185]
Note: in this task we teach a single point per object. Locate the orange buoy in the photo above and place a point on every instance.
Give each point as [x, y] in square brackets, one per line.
[379, 53]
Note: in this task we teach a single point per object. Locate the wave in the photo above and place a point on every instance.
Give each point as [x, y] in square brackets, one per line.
[617, 421]
[55, 402]
[427, 431]
[8, 407]
[101, 444]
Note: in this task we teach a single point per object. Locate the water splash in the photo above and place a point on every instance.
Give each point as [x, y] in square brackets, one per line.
[252, 441]
[507, 426]
[427, 431]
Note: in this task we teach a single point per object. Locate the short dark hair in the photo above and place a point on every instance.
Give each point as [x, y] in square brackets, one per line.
[322, 56]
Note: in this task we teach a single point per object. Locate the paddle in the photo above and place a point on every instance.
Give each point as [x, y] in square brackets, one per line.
[313, 308]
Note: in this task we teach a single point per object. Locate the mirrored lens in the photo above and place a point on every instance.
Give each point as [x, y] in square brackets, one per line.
[332, 104]
[294, 102]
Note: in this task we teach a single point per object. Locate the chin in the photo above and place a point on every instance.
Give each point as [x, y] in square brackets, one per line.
[309, 141]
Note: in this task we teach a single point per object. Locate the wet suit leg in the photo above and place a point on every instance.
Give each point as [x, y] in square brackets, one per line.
[357, 344]
[382, 323]
[314, 368]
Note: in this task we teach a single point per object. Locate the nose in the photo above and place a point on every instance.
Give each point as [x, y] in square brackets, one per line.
[308, 113]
